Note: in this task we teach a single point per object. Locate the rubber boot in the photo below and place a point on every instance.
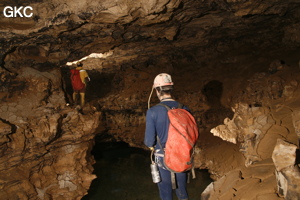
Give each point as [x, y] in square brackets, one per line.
[82, 96]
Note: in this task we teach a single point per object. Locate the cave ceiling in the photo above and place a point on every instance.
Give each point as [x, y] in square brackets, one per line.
[139, 32]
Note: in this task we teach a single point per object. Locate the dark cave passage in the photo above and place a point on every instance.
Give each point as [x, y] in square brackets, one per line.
[123, 172]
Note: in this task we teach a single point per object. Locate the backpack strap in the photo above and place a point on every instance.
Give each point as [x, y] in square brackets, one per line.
[173, 177]
[180, 105]
[164, 105]
[158, 141]
[173, 181]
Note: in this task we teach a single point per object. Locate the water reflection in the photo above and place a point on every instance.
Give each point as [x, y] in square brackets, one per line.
[124, 173]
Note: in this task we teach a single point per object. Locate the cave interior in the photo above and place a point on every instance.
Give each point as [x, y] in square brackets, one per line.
[234, 63]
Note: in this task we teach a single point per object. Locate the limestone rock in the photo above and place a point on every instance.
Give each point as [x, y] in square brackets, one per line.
[244, 184]
[287, 172]
[264, 134]
[227, 132]
[284, 155]
[249, 125]
[44, 144]
[296, 121]
[5, 129]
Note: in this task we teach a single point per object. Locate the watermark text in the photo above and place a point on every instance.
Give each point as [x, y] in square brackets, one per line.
[15, 11]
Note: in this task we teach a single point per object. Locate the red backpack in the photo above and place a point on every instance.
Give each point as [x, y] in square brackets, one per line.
[182, 137]
[76, 80]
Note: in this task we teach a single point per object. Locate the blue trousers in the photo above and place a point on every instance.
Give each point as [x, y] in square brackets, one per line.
[165, 186]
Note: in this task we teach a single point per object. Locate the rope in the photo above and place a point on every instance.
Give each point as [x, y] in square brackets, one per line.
[150, 98]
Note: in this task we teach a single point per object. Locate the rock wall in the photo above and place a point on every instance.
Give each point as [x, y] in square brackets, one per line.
[264, 126]
[45, 146]
[287, 169]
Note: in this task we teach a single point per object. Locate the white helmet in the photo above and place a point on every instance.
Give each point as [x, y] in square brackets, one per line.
[162, 79]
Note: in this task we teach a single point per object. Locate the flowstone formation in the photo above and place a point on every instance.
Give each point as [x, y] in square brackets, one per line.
[265, 127]
[225, 60]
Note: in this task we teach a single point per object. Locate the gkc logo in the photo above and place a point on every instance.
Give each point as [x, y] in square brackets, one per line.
[15, 11]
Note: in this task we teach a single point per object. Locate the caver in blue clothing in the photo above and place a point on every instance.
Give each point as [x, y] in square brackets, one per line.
[157, 124]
